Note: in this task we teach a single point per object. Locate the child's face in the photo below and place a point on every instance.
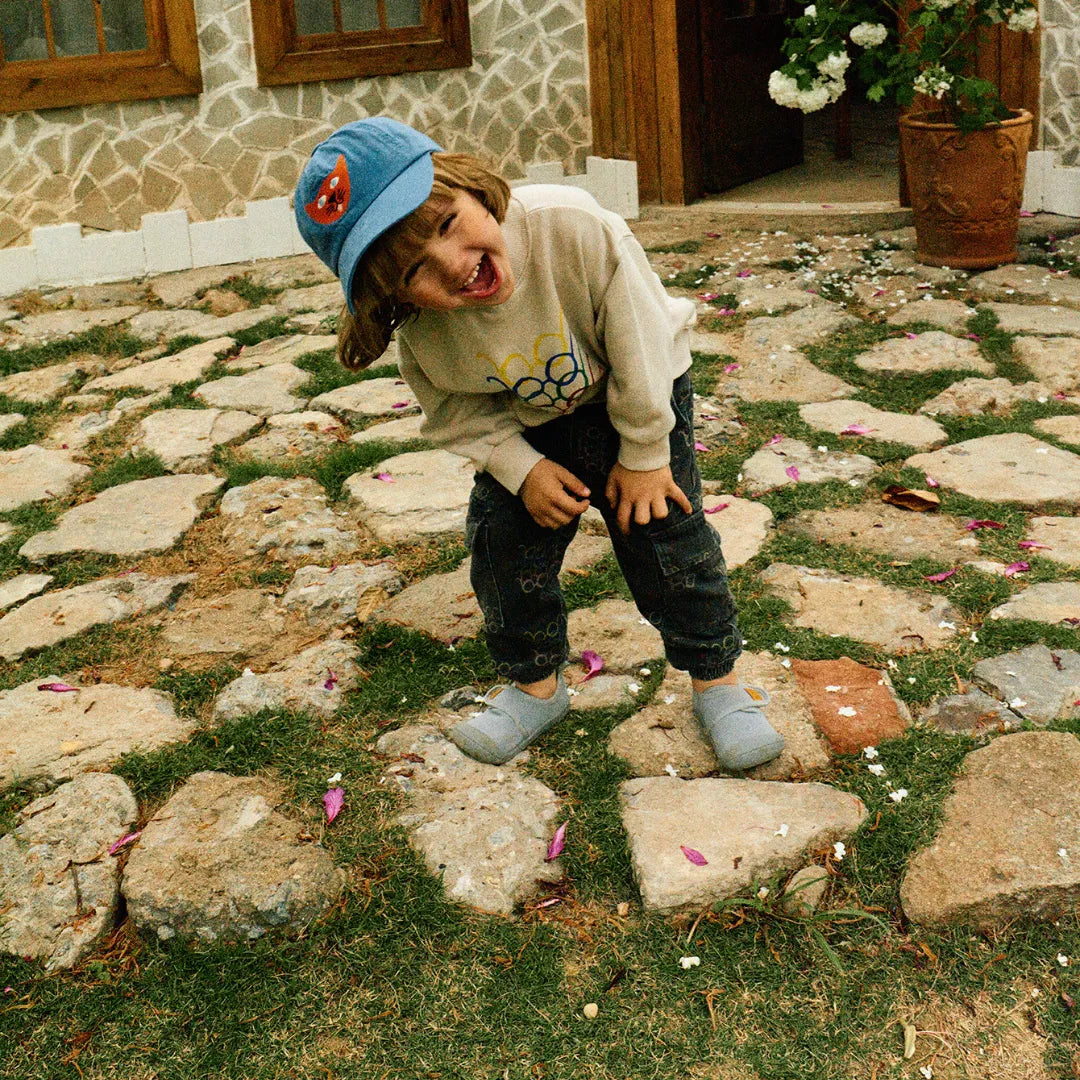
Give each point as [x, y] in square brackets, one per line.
[464, 262]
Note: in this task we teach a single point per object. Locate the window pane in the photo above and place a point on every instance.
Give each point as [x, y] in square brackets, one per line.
[359, 15]
[404, 13]
[73, 28]
[125, 25]
[314, 17]
[22, 30]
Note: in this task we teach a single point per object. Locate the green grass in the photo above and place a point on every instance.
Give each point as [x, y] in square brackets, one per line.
[397, 982]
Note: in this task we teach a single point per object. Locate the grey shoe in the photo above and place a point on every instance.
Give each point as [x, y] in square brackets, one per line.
[512, 721]
[734, 720]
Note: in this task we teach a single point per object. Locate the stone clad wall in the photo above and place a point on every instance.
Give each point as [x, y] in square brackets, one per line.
[1061, 79]
[524, 99]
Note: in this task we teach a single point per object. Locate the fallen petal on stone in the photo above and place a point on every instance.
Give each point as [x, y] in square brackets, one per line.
[594, 664]
[694, 856]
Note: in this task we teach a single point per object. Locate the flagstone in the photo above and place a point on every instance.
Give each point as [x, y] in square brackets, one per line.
[853, 705]
[239, 623]
[184, 439]
[33, 474]
[10, 420]
[264, 391]
[744, 525]
[55, 736]
[41, 384]
[665, 733]
[1027, 280]
[807, 326]
[287, 518]
[1047, 601]
[1035, 319]
[175, 323]
[734, 825]
[1066, 428]
[76, 432]
[805, 890]
[1054, 361]
[326, 297]
[22, 586]
[142, 517]
[838, 416]
[360, 401]
[59, 887]
[482, 830]
[1039, 684]
[600, 691]
[950, 315]
[970, 713]
[887, 530]
[314, 681]
[977, 396]
[765, 290]
[427, 494]
[931, 351]
[280, 350]
[618, 633]
[782, 375]
[165, 372]
[291, 435]
[218, 861]
[68, 322]
[996, 859]
[407, 429]
[1013, 467]
[183, 286]
[767, 468]
[1061, 535]
[335, 595]
[844, 605]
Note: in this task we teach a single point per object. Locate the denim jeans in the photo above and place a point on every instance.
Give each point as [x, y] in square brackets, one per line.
[673, 566]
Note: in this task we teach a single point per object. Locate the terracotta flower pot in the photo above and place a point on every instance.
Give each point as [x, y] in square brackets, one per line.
[966, 188]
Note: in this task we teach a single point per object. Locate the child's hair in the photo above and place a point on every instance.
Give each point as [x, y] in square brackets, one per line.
[363, 337]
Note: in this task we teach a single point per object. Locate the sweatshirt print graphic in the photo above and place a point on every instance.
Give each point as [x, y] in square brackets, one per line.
[554, 376]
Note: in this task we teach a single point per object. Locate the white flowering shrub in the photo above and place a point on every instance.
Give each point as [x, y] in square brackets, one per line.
[932, 55]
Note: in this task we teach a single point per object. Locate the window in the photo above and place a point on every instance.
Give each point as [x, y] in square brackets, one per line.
[80, 52]
[306, 40]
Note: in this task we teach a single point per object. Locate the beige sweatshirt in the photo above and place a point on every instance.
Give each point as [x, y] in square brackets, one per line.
[588, 318]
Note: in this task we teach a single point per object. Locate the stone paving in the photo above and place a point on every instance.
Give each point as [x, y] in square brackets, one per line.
[221, 859]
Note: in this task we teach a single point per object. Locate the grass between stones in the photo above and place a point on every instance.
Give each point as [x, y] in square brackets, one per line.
[398, 983]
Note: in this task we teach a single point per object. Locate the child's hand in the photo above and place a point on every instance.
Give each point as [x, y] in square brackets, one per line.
[643, 495]
[553, 495]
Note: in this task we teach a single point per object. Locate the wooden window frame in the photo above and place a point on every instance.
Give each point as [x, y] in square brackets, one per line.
[283, 57]
[168, 67]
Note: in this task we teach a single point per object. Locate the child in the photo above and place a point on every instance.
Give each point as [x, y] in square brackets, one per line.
[541, 345]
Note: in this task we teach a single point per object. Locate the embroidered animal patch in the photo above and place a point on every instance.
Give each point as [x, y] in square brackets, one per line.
[332, 198]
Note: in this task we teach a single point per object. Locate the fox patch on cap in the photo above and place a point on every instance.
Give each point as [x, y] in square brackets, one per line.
[332, 198]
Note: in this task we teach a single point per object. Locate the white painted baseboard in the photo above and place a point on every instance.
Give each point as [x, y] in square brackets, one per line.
[1050, 187]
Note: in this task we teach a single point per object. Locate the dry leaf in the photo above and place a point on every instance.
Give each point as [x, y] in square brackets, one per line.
[910, 498]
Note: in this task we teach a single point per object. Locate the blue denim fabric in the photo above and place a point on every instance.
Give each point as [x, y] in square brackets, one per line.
[674, 566]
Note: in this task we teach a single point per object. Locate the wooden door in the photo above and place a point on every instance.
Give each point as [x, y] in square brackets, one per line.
[744, 133]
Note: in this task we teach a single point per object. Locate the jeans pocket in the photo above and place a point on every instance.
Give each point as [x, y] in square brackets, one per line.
[687, 545]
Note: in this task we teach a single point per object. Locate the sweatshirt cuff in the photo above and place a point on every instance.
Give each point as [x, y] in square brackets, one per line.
[511, 461]
[642, 457]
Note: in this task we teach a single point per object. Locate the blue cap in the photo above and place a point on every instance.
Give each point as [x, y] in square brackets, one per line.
[364, 178]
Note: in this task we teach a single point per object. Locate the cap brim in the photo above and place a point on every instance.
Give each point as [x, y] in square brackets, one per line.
[408, 190]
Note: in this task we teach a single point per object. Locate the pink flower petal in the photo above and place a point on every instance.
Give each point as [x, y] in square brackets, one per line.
[701, 448]
[931, 482]
[124, 841]
[744, 273]
[594, 664]
[1026, 213]
[856, 429]
[1016, 568]
[973, 337]
[331, 682]
[729, 368]
[333, 800]
[717, 508]
[793, 472]
[943, 576]
[1059, 395]
[385, 477]
[694, 856]
[558, 842]
[713, 235]
[708, 295]
[58, 687]
[878, 292]
[774, 440]
[726, 311]
[400, 405]
[910, 334]
[1033, 545]
[983, 523]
